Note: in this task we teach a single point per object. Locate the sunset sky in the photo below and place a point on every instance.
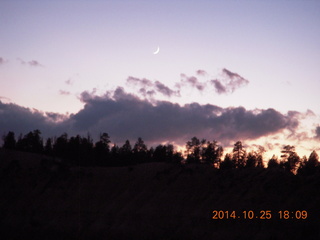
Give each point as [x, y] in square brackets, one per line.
[226, 70]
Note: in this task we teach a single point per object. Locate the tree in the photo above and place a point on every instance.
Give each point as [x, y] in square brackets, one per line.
[193, 150]
[273, 163]
[160, 153]
[139, 146]
[255, 158]
[239, 155]
[251, 160]
[311, 164]
[103, 144]
[290, 159]
[125, 153]
[313, 160]
[31, 142]
[9, 141]
[140, 151]
[227, 163]
[48, 148]
[212, 153]
[60, 146]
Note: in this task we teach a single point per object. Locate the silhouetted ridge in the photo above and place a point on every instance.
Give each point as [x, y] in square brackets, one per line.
[82, 151]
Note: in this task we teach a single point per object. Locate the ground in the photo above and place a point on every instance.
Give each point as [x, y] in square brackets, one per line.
[42, 198]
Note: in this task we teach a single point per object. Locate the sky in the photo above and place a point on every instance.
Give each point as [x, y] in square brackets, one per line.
[226, 70]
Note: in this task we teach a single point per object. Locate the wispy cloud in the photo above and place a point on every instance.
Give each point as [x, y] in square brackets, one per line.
[150, 88]
[234, 80]
[32, 63]
[227, 84]
[63, 92]
[3, 61]
[201, 72]
[218, 86]
[69, 82]
[192, 81]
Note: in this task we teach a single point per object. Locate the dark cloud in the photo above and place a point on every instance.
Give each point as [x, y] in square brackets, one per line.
[125, 116]
[32, 63]
[56, 117]
[22, 120]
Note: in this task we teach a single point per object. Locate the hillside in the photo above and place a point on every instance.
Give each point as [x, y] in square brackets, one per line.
[42, 198]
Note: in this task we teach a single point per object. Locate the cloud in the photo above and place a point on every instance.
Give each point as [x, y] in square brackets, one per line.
[317, 132]
[69, 82]
[125, 116]
[3, 61]
[201, 72]
[5, 99]
[141, 82]
[32, 63]
[193, 81]
[228, 84]
[55, 117]
[219, 87]
[150, 88]
[63, 92]
[160, 87]
[234, 80]
[22, 120]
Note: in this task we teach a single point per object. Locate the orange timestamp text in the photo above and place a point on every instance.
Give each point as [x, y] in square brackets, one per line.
[262, 214]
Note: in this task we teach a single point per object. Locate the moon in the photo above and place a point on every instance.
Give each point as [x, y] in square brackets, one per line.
[157, 51]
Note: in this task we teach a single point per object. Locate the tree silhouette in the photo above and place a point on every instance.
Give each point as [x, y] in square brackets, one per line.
[311, 164]
[9, 141]
[125, 153]
[102, 149]
[227, 163]
[255, 158]
[239, 155]
[290, 159]
[212, 153]
[60, 146]
[31, 142]
[194, 150]
[313, 160]
[273, 163]
[48, 148]
[78, 150]
[140, 151]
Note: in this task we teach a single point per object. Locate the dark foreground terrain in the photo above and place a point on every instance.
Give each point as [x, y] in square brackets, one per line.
[43, 199]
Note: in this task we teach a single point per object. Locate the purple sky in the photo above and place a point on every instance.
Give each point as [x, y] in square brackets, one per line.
[226, 70]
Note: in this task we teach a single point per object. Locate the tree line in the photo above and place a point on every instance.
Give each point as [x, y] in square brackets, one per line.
[80, 150]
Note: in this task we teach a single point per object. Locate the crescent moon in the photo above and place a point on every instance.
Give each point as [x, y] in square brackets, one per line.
[157, 51]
